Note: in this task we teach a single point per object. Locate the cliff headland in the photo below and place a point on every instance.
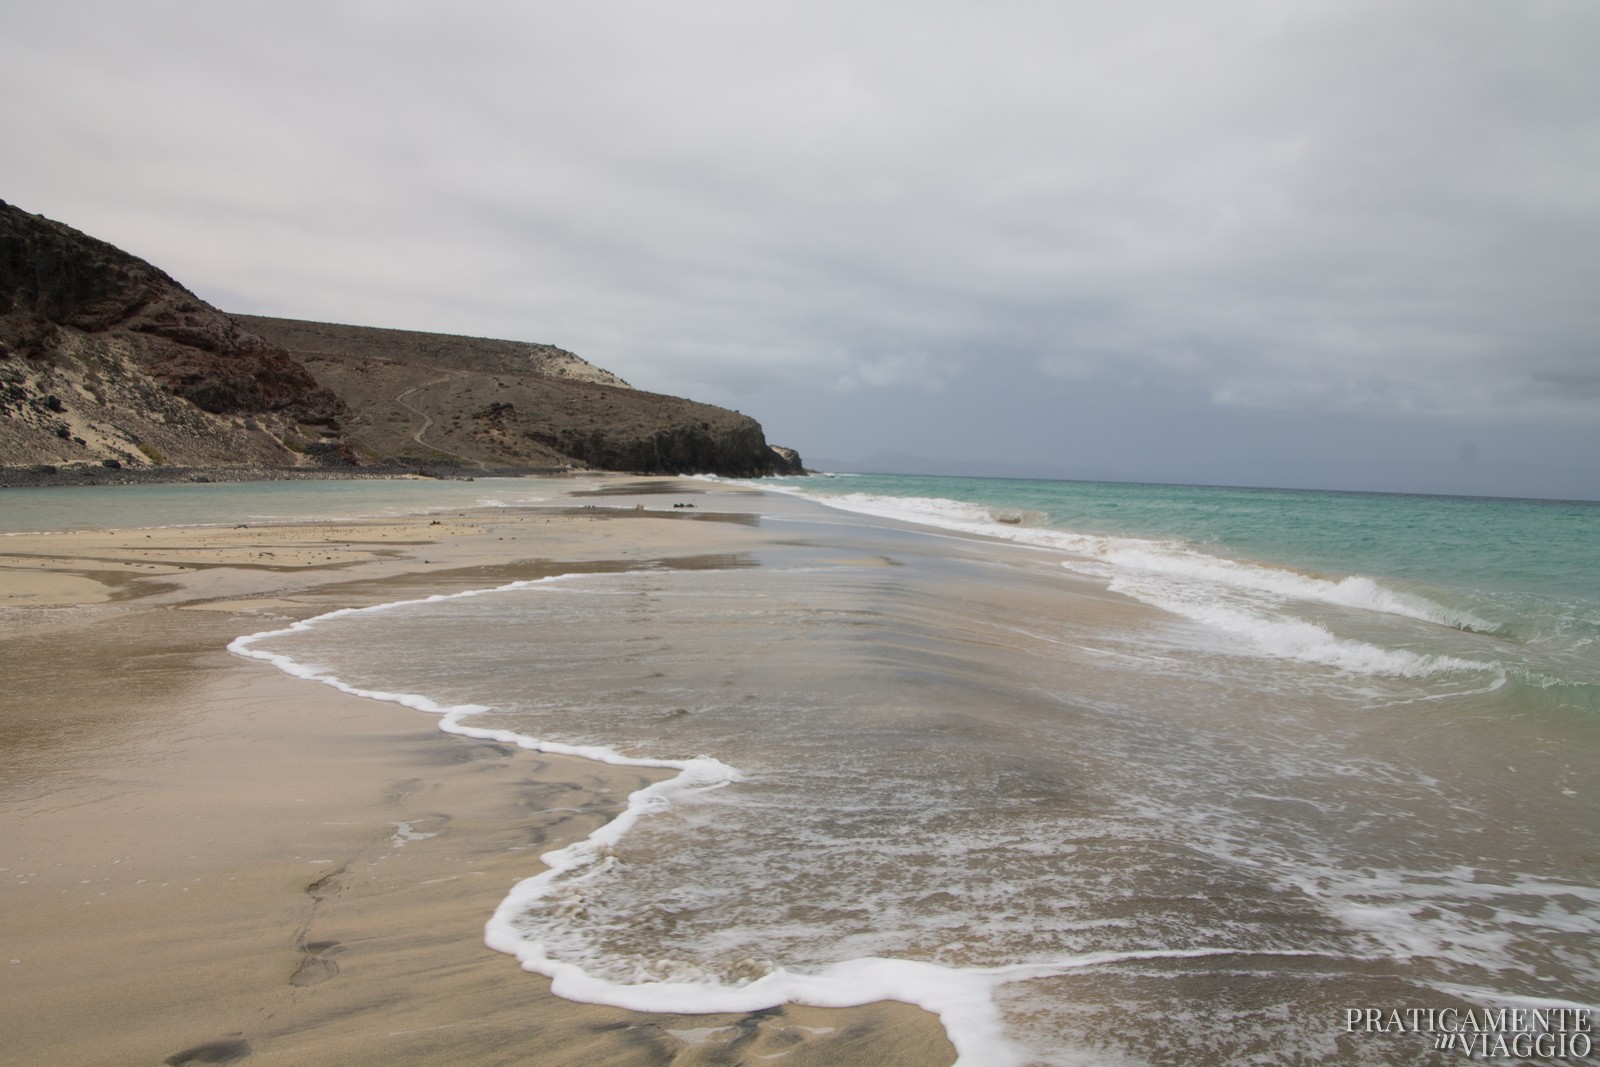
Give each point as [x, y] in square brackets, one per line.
[112, 370]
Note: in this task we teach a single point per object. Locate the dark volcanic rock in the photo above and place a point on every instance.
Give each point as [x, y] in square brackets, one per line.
[55, 279]
[736, 449]
[786, 461]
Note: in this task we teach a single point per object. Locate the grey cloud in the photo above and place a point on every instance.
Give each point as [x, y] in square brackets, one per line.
[1339, 206]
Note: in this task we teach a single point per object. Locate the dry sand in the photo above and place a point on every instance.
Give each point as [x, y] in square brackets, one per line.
[204, 860]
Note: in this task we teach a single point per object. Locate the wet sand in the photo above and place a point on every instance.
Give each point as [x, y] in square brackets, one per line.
[206, 861]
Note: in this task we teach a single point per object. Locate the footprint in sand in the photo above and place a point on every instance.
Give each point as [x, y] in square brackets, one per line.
[317, 966]
[225, 1051]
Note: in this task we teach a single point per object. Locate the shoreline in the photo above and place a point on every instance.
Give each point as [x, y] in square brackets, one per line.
[50, 475]
[207, 859]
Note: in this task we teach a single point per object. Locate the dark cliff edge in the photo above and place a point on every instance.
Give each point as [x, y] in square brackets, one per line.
[108, 365]
[478, 401]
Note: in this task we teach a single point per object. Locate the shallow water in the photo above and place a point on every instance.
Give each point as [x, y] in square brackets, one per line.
[132, 507]
[1109, 810]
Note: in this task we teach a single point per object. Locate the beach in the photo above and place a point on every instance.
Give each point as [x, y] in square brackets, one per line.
[887, 770]
[206, 859]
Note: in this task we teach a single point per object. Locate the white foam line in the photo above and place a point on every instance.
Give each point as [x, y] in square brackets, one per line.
[1493, 998]
[1055, 969]
[1153, 557]
[452, 716]
[1169, 575]
[962, 998]
[1286, 637]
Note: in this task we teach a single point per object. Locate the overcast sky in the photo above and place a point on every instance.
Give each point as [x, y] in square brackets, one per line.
[1333, 243]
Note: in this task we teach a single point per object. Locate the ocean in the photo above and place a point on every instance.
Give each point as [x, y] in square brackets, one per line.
[1101, 774]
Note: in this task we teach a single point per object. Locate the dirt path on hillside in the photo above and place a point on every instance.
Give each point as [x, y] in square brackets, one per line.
[427, 420]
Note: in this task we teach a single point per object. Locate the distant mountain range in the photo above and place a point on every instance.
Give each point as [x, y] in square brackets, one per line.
[107, 362]
[891, 462]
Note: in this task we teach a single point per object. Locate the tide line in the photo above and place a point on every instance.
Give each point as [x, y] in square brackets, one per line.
[962, 998]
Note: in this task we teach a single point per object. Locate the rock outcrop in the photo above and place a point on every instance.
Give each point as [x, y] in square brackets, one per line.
[472, 401]
[105, 359]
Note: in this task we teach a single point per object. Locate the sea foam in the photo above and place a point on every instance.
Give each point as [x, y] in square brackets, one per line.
[963, 990]
[961, 998]
[1253, 601]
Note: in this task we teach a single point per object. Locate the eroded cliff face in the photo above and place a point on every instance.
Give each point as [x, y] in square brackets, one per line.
[734, 446]
[435, 398]
[106, 359]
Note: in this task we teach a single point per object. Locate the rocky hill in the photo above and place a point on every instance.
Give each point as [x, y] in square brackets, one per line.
[105, 358]
[435, 398]
[105, 361]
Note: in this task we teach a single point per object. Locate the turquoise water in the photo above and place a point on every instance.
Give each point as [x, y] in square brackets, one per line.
[1537, 547]
[1525, 573]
